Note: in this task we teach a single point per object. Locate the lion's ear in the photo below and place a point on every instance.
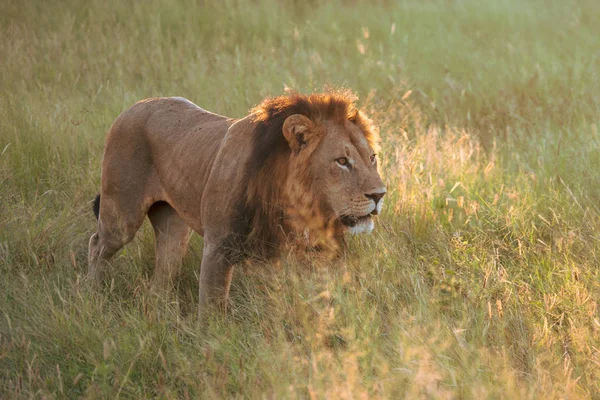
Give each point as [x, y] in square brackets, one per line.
[297, 129]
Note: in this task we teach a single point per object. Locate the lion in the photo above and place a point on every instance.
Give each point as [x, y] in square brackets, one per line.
[298, 167]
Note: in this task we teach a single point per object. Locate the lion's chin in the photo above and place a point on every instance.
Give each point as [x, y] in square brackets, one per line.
[363, 225]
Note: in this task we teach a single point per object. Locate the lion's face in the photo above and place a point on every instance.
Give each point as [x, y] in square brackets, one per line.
[343, 170]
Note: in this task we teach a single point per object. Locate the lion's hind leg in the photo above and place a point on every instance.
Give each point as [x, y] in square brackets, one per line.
[117, 226]
[171, 236]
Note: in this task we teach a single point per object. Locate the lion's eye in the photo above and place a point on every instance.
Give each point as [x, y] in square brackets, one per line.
[342, 161]
[373, 158]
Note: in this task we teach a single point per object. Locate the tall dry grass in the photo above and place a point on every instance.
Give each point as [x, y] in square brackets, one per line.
[480, 281]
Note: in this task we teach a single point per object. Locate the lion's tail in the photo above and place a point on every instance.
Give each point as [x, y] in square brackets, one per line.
[97, 206]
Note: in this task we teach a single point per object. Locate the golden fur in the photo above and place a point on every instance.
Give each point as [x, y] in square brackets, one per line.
[299, 166]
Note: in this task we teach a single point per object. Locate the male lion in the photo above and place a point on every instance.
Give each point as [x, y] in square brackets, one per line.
[248, 186]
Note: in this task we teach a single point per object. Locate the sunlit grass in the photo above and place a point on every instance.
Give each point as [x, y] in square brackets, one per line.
[480, 281]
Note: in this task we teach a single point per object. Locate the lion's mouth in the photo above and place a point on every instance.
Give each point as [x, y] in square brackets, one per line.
[352, 220]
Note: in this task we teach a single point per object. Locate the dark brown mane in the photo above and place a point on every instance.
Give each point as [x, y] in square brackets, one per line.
[263, 214]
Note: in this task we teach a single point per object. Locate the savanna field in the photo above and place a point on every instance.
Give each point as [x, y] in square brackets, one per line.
[481, 279]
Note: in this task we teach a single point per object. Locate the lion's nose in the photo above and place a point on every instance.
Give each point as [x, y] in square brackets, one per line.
[376, 195]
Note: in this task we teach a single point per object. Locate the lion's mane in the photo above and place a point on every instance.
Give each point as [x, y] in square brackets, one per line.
[264, 212]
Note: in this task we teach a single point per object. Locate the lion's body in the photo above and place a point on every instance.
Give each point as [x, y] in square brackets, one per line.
[147, 155]
[236, 182]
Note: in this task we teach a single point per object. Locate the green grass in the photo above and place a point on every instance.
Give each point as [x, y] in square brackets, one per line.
[481, 280]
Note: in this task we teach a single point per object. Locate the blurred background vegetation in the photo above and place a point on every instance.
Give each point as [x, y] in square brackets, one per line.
[481, 280]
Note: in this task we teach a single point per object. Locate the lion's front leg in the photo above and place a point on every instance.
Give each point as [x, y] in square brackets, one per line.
[216, 272]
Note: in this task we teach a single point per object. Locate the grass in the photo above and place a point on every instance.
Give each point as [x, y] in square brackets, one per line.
[480, 281]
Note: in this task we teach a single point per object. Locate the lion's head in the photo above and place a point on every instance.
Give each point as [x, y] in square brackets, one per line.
[315, 160]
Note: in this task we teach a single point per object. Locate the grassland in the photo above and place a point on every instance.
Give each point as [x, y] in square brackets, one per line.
[481, 281]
